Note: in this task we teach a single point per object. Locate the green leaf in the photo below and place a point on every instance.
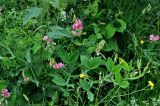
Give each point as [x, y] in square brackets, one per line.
[107, 47]
[37, 65]
[66, 93]
[113, 44]
[90, 63]
[3, 84]
[33, 12]
[13, 99]
[62, 54]
[36, 47]
[59, 80]
[116, 68]
[68, 58]
[139, 63]
[124, 65]
[58, 33]
[28, 56]
[122, 25]
[73, 57]
[124, 84]
[84, 84]
[118, 77]
[84, 59]
[77, 42]
[94, 62]
[110, 31]
[95, 27]
[55, 3]
[116, 71]
[90, 96]
[151, 46]
[109, 64]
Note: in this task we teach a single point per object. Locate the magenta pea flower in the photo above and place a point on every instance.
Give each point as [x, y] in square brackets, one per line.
[153, 37]
[46, 38]
[5, 93]
[77, 28]
[77, 25]
[58, 66]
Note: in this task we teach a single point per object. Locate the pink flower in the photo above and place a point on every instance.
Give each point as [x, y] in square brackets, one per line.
[57, 66]
[5, 93]
[77, 25]
[46, 38]
[154, 38]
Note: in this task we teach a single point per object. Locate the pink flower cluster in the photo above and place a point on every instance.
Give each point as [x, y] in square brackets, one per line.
[46, 38]
[154, 38]
[77, 25]
[5, 93]
[58, 65]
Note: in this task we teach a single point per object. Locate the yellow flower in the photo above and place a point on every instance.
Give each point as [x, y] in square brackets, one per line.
[141, 42]
[151, 84]
[82, 75]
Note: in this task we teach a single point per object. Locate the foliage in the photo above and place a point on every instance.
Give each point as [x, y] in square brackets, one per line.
[42, 56]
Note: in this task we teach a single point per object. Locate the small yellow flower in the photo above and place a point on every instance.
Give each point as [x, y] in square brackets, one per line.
[141, 42]
[82, 75]
[151, 84]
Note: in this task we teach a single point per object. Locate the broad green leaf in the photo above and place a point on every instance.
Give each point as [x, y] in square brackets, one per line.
[66, 93]
[107, 47]
[9, 50]
[122, 25]
[68, 58]
[3, 84]
[90, 63]
[116, 69]
[96, 28]
[124, 84]
[110, 31]
[49, 91]
[124, 65]
[73, 57]
[13, 99]
[91, 49]
[113, 44]
[90, 96]
[58, 80]
[77, 42]
[118, 77]
[33, 12]
[109, 64]
[58, 32]
[37, 65]
[62, 54]
[94, 62]
[36, 47]
[84, 84]
[84, 59]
